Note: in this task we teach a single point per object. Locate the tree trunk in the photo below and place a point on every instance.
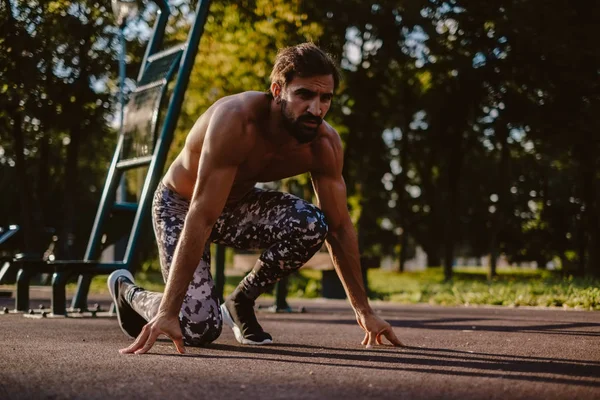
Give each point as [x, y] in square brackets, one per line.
[400, 186]
[43, 179]
[493, 257]
[18, 136]
[451, 220]
[70, 210]
[579, 269]
[23, 182]
[403, 251]
[590, 251]
[499, 217]
[433, 243]
[434, 253]
[81, 87]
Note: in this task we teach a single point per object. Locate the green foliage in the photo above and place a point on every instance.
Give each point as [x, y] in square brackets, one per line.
[237, 51]
[55, 142]
[469, 127]
[511, 288]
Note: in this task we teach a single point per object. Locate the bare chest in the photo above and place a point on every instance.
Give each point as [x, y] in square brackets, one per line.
[265, 166]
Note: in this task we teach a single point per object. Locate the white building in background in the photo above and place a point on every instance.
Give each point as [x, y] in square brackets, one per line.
[417, 263]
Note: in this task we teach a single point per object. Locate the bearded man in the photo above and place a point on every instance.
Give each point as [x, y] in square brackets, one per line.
[208, 195]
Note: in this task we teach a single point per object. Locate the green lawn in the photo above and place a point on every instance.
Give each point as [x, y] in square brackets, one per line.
[512, 287]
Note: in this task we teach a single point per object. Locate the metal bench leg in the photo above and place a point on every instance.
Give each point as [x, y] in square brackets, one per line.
[59, 293]
[281, 292]
[22, 297]
[80, 301]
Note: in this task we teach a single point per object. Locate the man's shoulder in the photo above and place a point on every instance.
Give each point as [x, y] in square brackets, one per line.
[328, 149]
[246, 105]
[232, 119]
[328, 139]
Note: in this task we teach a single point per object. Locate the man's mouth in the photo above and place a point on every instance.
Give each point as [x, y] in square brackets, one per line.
[311, 122]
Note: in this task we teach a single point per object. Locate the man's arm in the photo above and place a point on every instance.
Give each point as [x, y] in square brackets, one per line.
[342, 241]
[221, 155]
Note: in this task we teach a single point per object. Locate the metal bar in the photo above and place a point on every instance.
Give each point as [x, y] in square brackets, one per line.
[166, 52]
[112, 181]
[172, 115]
[22, 296]
[123, 206]
[59, 293]
[108, 196]
[84, 281]
[12, 229]
[150, 85]
[83, 288]
[158, 33]
[281, 292]
[134, 163]
[122, 188]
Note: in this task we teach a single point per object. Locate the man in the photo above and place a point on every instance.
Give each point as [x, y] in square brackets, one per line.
[209, 195]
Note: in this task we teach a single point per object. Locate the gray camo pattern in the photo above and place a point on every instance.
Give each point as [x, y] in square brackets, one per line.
[290, 230]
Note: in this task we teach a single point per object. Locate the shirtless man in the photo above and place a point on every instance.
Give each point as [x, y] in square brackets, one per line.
[209, 195]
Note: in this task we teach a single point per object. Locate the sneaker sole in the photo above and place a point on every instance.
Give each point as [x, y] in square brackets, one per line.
[110, 282]
[236, 330]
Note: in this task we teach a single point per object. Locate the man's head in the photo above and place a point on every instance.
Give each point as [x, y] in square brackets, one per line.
[303, 81]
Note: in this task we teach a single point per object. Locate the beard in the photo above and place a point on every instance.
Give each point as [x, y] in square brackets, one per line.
[296, 126]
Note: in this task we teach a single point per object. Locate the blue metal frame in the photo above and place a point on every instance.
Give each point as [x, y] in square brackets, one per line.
[89, 266]
[161, 148]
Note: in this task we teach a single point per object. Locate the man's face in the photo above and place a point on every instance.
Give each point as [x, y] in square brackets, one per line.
[304, 103]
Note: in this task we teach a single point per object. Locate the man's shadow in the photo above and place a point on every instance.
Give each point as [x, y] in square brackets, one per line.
[466, 324]
[417, 359]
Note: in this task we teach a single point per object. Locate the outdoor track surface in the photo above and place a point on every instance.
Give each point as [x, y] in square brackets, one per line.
[451, 353]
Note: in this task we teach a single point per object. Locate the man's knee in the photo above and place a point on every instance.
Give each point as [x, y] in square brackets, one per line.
[313, 226]
[201, 333]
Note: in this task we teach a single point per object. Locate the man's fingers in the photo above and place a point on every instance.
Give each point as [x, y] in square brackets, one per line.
[369, 340]
[179, 345]
[372, 340]
[360, 323]
[378, 337]
[366, 339]
[391, 336]
[149, 342]
[141, 339]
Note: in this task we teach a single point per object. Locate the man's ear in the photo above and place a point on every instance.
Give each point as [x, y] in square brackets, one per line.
[276, 90]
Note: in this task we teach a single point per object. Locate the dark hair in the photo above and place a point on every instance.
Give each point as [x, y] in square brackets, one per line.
[304, 60]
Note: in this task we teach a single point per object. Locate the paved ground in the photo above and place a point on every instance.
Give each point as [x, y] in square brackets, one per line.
[451, 353]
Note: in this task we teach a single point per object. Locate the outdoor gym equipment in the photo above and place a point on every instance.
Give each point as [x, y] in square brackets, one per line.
[143, 143]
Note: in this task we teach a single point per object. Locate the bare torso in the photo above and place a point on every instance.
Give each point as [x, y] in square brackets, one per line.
[273, 156]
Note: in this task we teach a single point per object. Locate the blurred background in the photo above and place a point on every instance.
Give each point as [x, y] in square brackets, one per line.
[471, 129]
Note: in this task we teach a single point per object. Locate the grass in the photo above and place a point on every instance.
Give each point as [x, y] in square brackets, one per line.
[512, 287]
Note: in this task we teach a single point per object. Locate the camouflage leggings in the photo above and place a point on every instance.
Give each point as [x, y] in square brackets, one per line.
[290, 229]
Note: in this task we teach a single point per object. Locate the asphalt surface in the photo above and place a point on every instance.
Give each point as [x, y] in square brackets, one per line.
[450, 353]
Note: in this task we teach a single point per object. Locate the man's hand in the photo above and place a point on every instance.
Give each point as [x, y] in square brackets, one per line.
[159, 325]
[376, 327]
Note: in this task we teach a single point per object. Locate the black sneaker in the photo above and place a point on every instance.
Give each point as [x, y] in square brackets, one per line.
[238, 314]
[131, 322]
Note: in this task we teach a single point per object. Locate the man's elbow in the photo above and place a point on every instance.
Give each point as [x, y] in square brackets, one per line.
[340, 230]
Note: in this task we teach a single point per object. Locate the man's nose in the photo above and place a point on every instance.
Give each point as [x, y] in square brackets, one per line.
[314, 108]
